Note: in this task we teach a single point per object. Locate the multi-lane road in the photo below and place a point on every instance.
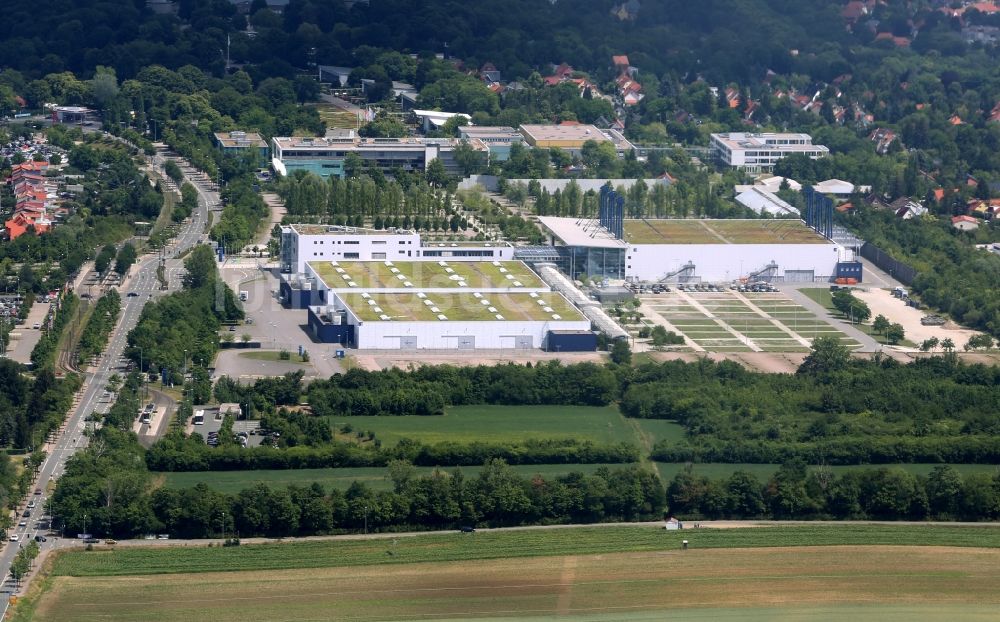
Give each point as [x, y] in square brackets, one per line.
[137, 289]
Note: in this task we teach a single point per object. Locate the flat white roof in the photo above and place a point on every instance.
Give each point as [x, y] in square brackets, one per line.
[580, 232]
[763, 201]
[436, 114]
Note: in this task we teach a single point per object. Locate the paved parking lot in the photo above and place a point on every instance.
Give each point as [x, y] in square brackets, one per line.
[20, 350]
[274, 326]
[212, 424]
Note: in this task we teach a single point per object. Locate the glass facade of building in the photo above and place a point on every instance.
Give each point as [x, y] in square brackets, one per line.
[606, 263]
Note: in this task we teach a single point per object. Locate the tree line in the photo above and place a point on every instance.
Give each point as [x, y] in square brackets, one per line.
[313, 449]
[97, 329]
[101, 487]
[796, 492]
[390, 392]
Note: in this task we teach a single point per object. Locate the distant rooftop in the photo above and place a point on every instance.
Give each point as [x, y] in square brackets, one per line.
[430, 274]
[240, 139]
[769, 140]
[305, 229]
[563, 132]
[488, 131]
[336, 142]
[586, 232]
[719, 231]
[461, 307]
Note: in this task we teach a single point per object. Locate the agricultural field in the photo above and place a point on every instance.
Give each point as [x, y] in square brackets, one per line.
[600, 573]
[231, 482]
[753, 322]
[500, 424]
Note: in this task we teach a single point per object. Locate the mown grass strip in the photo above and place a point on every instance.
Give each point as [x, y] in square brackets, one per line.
[499, 544]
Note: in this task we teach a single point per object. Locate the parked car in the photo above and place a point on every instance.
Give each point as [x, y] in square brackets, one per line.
[111, 541]
[41, 539]
[13, 537]
[91, 541]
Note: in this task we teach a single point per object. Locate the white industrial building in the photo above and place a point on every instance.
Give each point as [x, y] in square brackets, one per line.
[693, 250]
[758, 153]
[442, 305]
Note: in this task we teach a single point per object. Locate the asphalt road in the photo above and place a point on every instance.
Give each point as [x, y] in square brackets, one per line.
[139, 287]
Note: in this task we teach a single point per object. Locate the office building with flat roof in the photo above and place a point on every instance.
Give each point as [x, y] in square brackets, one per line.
[499, 140]
[326, 156]
[758, 153]
[571, 137]
[239, 143]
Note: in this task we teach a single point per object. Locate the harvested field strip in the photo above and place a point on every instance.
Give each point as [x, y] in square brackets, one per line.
[814, 582]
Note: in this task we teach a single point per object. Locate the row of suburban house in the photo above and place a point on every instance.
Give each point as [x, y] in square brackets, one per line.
[36, 204]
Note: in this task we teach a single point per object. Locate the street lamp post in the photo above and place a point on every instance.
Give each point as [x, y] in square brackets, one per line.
[366, 519]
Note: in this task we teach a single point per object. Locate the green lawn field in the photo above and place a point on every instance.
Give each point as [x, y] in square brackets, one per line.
[234, 481]
[502, 424]
[808, 572]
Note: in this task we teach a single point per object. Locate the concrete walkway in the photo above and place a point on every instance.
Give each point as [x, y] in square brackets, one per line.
[791, 333]
[340, 103]
[701, 308]
[652, 314]
[277, 209]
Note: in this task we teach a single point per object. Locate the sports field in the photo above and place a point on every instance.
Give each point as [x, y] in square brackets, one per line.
[611, 573]
[500, 424]
[718, 231]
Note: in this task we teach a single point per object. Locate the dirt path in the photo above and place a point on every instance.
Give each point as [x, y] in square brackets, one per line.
[882, 302]
[277, 209]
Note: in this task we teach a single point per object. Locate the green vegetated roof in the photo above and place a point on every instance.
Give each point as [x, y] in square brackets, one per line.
[461, 307]
[718, 231]
[443, 273]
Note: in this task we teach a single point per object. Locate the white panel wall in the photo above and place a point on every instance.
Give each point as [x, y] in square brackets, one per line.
[397, 247]
[725, 262]
[444, 335]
